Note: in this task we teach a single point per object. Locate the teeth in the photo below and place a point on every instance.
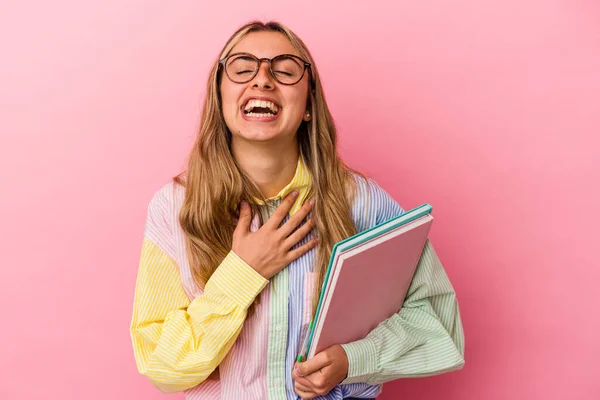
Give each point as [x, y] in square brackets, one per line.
[259, 115]
[263, 104]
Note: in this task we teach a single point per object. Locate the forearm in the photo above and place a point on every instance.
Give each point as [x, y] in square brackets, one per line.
[424, 338]
[178, 344]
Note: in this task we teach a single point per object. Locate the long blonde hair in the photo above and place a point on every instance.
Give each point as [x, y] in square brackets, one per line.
[215, 184]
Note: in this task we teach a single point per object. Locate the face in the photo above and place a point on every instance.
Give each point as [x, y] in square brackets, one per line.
[242, 102]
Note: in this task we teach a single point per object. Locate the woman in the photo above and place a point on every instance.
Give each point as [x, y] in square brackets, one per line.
[235, 248]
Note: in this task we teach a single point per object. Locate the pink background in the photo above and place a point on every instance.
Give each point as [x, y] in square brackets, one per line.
[489, 111]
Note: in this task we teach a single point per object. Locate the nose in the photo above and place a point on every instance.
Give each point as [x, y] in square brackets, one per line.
[263, 78]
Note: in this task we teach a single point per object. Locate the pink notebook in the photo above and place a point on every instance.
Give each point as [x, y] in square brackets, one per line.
[367, 280]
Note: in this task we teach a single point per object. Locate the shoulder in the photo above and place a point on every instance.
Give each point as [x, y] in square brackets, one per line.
[170, 195]
[162, 200]
[162, 216]
[372, 204]
[164, 205]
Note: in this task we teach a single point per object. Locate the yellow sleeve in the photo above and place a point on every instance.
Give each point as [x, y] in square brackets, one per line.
[178, 343]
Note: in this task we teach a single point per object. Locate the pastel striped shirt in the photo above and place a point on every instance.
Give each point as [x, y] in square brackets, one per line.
[181, 334]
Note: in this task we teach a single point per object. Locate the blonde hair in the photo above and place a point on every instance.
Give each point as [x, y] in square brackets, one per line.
[215, 184]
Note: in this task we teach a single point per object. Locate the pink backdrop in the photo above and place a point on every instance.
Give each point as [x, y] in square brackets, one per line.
[489, 111]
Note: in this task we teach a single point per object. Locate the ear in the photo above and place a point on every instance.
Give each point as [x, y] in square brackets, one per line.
[307, 116]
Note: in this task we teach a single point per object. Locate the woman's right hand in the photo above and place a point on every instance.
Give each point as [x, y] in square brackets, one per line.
[267, 250]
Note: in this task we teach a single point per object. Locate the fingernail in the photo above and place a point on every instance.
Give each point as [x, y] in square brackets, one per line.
[312, 202]
[298, 371]
[243, 205]
[295, 193]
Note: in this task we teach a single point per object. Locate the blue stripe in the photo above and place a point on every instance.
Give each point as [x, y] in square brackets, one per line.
[372, 205]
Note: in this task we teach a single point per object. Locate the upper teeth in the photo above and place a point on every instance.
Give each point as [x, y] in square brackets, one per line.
[262, 104]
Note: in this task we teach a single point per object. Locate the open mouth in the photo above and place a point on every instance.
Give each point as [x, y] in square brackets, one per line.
[260, 108]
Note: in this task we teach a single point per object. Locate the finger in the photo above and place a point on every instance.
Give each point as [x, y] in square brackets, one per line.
[243, 224]
[279, 214]
[318, 380]
[297, 236]
[306, 383]
[304, 388]
[300, 379]
[314, 364]
[296, 219]
[304, 394]
[299, 251]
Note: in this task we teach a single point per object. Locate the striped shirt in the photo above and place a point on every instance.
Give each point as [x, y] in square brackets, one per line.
[181, 334]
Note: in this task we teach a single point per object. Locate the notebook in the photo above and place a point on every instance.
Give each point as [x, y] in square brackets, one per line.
[367, 279]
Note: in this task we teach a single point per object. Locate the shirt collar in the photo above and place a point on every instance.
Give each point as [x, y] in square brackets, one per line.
[300, 182]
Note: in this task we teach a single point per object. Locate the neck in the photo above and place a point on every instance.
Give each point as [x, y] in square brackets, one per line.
[271, 166]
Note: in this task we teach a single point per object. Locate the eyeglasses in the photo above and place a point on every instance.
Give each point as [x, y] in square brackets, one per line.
[287, 69]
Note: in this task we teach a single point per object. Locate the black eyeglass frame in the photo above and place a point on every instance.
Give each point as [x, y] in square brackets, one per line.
[307, 65]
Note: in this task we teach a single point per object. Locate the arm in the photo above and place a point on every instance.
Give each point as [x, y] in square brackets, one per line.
[178, 343]
[424, 338]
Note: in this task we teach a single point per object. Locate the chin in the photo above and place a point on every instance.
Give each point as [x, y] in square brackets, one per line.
[264, 133]
[258, 135]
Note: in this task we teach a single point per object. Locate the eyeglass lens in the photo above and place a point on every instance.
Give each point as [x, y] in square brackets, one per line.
[286, 70]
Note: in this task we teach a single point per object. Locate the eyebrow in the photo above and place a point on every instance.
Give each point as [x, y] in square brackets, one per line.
[246, 55]
[247, 52]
